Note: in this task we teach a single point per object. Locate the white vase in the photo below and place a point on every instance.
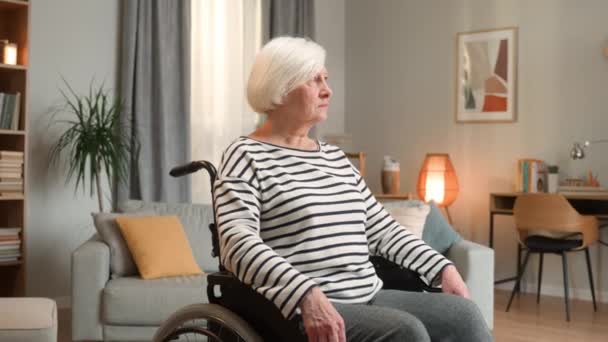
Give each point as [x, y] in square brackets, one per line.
[552, 182]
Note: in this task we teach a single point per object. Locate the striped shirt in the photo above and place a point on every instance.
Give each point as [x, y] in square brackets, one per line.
[291, 219]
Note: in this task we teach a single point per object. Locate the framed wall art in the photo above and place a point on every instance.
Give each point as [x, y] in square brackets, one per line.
[486, 76]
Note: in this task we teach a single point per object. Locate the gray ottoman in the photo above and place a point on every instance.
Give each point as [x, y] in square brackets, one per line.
[28, 320]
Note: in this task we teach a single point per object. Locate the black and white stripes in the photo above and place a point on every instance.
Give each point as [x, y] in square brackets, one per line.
[290, 219]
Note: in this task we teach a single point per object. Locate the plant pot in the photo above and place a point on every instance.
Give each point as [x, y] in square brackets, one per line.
[552, 182]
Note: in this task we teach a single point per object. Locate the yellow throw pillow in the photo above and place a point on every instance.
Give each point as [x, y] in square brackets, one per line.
[159, 246]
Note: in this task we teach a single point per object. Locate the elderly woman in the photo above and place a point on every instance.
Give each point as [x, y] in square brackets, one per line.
[298, 224]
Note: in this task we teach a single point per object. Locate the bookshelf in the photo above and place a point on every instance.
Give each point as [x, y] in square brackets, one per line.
[14, 27]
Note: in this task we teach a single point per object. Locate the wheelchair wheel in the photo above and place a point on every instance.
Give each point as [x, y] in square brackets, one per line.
[205, 322]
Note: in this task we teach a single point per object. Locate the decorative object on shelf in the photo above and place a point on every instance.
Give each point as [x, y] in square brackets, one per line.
[9, 52]
[391, 176]
[486, 76]
[552, 178]
[437, 181]
[592, 179]
[96, 140]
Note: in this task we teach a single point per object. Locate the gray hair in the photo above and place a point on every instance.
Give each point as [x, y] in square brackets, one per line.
[282, 64]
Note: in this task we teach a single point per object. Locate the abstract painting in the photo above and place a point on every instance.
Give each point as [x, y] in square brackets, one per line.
[486, 76]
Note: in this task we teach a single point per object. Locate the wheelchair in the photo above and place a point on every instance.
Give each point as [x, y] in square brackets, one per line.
[236, 312]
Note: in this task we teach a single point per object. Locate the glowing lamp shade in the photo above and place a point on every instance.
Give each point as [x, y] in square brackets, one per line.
[437, 180]
[10, 53]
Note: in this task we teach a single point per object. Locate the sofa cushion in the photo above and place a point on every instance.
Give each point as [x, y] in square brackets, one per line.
[194, 217]
[135, 301]
[412, 218]
[121, 260]
[159, 246]
[437, 231]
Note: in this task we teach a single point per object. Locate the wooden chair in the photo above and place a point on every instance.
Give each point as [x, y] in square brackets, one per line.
[360, 158]
[552, 213]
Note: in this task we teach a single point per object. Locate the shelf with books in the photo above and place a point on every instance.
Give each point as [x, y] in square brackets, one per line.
[12, 142]
[11, 132]
[11, 263]
[14, 28]
[11, 67]
[13, 4]
[12, 197]
[10, 245]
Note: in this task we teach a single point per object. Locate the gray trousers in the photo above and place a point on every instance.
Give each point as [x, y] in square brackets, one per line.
[414, 316]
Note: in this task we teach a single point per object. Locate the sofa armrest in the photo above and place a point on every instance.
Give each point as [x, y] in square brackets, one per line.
[90, 273]
[476, 266]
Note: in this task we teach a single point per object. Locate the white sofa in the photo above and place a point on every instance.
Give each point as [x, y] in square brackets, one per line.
[106, 307]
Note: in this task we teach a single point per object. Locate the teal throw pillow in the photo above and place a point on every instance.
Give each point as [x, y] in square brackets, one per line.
[438, 233]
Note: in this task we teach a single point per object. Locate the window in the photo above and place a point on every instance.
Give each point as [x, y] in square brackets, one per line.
[226, 35]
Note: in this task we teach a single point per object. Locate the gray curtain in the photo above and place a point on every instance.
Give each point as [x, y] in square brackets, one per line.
[155, 88]
[294, 18]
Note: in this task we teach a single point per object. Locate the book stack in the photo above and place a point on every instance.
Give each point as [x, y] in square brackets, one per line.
[531, 176]
[10, 244]
[9, 111]
[11, 174]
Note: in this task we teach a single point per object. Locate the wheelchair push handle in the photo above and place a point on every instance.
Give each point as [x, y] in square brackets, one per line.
[194, 166]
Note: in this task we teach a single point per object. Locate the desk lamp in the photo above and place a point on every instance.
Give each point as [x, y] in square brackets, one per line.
[578, 151]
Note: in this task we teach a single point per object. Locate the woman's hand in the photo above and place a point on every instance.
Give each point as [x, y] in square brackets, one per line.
[452, 283]
[321, 320]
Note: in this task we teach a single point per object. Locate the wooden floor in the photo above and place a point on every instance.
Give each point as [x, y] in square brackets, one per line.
[526, 321]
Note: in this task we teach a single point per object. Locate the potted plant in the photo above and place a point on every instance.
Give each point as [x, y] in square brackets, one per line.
[96, 140]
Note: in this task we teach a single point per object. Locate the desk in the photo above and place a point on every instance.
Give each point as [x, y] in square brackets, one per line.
[501, 203]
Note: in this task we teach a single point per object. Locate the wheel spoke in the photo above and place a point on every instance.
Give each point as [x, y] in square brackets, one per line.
[205, 322]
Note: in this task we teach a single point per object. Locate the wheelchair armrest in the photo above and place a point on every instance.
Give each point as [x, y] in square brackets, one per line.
[223, 279]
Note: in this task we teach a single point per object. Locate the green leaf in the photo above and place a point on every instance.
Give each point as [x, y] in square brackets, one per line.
[95, 139]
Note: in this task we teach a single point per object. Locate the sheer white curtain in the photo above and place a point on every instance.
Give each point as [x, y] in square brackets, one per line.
[226, 34]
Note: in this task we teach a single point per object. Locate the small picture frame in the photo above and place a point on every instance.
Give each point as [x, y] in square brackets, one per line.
[486, 76]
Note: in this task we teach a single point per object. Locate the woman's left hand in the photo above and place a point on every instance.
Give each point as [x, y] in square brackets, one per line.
[452, 283]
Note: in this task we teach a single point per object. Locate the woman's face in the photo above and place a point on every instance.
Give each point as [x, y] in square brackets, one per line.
[308, 102]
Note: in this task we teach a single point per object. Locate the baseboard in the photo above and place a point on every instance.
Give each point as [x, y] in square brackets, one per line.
[64, 302]
[557, 291]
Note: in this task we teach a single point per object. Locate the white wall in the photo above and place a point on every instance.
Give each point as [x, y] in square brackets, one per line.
[77, 40]
[329, 26]
[400, 62]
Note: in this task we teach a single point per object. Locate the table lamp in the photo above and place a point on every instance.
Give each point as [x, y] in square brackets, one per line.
[437, 181]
